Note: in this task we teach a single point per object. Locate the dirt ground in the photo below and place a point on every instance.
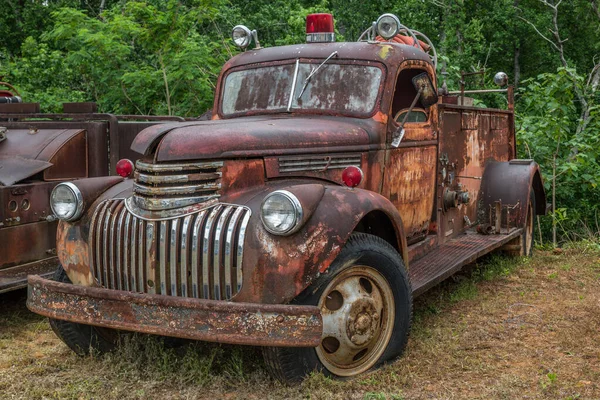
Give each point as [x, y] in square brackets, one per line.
[507, 329]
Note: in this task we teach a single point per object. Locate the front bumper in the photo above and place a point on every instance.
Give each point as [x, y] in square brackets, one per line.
[207, 320]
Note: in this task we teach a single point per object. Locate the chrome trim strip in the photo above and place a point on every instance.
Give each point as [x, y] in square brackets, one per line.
[148, 167]
[126, 239]
[150, 258]
[119, 255]
[173, 256]
[163, 257]
[141, 242]
[229, 290]
[105, 242]
[205, 254]
[145, 205]
[132, 263]
[196, 237]
[97, 228]
[217, 252]
[184, 256]
[240, 249]
[175, 190]
[194, 177]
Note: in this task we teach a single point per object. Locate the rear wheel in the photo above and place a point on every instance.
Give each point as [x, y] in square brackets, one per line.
[523, 245]
[82, 339]
[365, 300]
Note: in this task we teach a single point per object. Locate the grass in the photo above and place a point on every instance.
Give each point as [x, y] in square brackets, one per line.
[504, 329]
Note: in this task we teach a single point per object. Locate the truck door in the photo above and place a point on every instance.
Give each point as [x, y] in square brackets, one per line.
[410, 174]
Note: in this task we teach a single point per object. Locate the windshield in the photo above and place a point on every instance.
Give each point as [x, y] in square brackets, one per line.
[340, 88]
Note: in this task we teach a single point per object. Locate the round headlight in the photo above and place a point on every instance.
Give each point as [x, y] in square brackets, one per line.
[281, 212]
[241, 36]
[388, 26]
[66, 201]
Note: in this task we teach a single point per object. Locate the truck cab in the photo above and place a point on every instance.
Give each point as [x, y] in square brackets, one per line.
[333, 184]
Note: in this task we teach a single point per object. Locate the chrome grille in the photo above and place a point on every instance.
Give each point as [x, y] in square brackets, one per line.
[197, 255]
[318, 162]
[167, 186]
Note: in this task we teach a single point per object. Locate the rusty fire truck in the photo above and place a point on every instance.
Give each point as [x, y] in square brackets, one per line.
[37, 152]
[333, 184]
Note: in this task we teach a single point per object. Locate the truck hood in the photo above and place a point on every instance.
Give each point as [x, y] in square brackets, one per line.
[250, 136]
[26, 152]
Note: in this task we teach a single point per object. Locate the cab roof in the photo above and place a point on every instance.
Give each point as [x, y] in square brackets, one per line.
[389, 53]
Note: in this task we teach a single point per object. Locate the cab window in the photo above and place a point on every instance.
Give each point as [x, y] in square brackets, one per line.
[404, 95]
[416, 115]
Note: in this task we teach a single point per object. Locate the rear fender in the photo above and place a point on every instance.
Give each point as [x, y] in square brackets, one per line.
[278, 268]
[511, 183]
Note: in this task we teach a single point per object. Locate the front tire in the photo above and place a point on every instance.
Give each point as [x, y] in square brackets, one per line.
[365, 299]
[82, 339]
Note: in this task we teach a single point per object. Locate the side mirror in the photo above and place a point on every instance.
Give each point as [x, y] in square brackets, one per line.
[422, 84]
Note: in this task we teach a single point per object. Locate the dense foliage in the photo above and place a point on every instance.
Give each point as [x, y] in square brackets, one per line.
[163, 57]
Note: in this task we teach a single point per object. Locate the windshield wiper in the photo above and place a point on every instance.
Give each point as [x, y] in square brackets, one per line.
[314, 71]
[293, 85]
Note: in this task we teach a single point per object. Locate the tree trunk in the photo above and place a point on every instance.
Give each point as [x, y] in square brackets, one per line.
[517, 65]
[517, 53]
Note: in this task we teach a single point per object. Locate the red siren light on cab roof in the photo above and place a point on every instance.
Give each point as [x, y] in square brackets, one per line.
[319, 28]
[124, 168]
[352, 176]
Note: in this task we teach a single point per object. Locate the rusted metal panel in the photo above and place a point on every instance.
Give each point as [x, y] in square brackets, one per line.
[70, 161]
[239, 175]
[35, 143]
[279, 267]
[20, 108]
[25, 203]
[449, 258]
[14, 169]
[16, 277]
[82, 107]
[321, 166]
[255, 137]
[510, 184]
[27, 243]
[409, 183]
[208, 320]
[470, 139]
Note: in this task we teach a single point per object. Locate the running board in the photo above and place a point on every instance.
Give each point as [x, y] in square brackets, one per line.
[450, 257]
[16, 277]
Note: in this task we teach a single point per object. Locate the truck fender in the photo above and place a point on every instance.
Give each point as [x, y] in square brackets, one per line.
[72, 245]
[511, 183]
[281, 267]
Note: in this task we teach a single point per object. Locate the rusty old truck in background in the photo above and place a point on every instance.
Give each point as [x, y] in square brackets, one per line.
[38, 151]
[333, 184]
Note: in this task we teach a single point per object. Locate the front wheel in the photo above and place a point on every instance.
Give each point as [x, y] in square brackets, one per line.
[82, 339]
[365, 300]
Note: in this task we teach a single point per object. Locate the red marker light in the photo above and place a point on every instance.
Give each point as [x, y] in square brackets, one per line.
[352, 176]
[319, 28]
[125, 168]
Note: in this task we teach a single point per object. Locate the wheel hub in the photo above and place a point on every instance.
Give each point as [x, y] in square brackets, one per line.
[358, 310]
[362, 326]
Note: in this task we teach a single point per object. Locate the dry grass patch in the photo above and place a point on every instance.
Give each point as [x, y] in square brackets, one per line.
[506, 329]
